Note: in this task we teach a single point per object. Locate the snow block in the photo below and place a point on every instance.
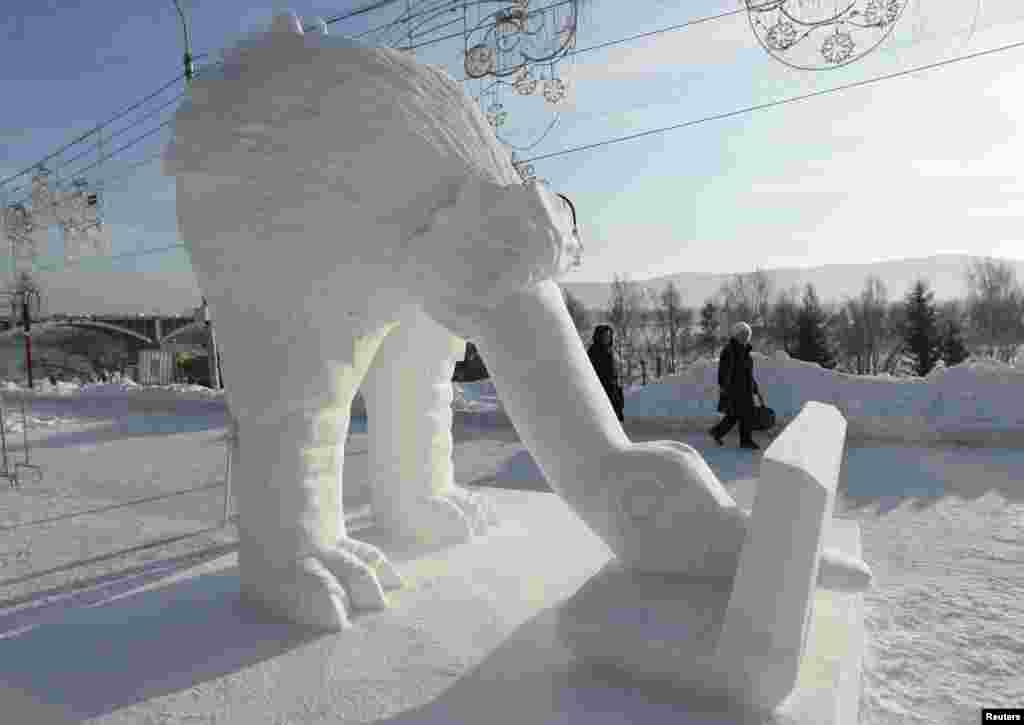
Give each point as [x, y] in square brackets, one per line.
[746, 638]
[471, 639]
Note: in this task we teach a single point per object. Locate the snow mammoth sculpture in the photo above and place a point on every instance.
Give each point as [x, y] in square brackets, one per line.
[342, 206]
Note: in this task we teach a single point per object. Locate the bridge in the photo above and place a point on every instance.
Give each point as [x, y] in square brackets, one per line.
[143, 330]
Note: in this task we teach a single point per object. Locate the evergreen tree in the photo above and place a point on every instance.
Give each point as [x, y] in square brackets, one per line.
[951, 345]
[708, 338]
[812, 343]
[920, 331]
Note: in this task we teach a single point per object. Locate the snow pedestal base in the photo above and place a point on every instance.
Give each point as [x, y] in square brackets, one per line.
[664, 629]
[473, 638]
[741, 636]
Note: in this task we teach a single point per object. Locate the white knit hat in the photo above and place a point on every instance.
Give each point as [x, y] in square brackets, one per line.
[742, 329]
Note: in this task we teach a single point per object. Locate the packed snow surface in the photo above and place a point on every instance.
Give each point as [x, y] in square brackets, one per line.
[943, 528]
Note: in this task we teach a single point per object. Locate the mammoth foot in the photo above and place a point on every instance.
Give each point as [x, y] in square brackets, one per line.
[322, 590]
[674, 516]
[450, 518]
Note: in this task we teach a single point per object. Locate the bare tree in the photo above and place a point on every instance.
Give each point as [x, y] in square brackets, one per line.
[995, 304]
[761, 289]
[874, 309]
[736, 301]
[747, 298]
[624, 308]
[673, 323]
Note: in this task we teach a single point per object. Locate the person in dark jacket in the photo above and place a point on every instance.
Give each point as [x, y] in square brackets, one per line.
[737, 387]
[602, 358]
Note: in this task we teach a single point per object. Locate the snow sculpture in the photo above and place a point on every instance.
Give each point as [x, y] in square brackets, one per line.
[742, 636]
[340, 204]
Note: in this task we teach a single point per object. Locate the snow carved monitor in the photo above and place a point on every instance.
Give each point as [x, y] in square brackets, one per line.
[350, 215]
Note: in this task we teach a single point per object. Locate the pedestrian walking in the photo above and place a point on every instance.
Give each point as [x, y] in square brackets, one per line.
[602, 357]
[737, 388]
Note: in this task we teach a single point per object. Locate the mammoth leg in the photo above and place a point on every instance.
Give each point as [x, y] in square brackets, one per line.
[408, 393]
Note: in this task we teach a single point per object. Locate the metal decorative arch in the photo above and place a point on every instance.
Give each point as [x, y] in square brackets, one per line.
[184, 330]
[822, 34]
[513, 49]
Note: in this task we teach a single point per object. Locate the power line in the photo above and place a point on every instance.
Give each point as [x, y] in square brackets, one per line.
[780, 102]
[124, 112]
[686, 124]
[125, 255]
[119, 114]
[694, 122]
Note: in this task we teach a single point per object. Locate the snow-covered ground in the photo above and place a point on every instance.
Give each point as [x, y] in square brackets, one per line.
[943, 526]
[979, 401]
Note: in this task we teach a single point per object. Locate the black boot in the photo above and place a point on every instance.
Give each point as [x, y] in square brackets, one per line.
[750, 444]
[714, 434]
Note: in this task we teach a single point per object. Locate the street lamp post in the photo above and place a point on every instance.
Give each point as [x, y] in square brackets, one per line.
[214, 358]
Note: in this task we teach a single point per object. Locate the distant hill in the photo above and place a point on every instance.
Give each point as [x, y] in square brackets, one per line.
[833, 282]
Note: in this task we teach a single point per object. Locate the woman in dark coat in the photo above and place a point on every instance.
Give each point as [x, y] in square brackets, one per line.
[737, 387]
[602, 358]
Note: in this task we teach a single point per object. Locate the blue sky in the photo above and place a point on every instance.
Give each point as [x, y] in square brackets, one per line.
[908, 167]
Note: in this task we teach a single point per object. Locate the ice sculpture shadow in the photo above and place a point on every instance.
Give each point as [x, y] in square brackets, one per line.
[113, 656]
[531, 678]
[144, 645]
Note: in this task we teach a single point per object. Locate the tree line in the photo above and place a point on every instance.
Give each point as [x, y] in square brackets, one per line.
[656, 335]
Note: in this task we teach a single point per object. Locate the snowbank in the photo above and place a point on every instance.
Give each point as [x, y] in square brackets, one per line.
[978, 402]
[975, 402]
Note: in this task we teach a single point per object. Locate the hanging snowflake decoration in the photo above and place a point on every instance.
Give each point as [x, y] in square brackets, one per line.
[838, 48]
[508, 40]
[555, 90]
[496, 115]
[511, 21]
[525, 171]
[882, 12]
[822, 35]
[508, 43]
[526, 85]
[480, 61]
[44, 200]
[22, 232]
[782, 35]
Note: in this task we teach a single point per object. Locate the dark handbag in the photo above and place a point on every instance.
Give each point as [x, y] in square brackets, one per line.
[764, 417]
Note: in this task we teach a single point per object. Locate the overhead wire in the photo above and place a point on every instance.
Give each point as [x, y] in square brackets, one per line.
[124, 112]
[94, 132]
[585, 147]
[707, 119]
[782, 102]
